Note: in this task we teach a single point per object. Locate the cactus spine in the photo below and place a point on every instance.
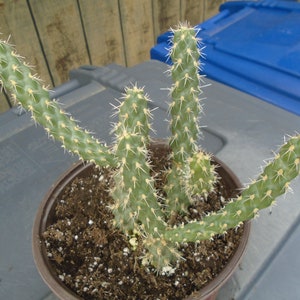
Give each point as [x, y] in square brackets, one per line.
[136, 209]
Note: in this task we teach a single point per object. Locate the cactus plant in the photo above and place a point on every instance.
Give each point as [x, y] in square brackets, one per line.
[136, 207]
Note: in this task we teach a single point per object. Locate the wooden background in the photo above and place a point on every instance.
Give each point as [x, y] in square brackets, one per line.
[59, 35]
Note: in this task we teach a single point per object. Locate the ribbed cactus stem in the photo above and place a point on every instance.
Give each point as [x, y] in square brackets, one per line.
[135, 207]
[134, 193]
[185, 109]
[271, 183]
[28, 91]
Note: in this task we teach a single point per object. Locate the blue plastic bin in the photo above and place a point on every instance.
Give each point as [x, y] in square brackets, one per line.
[253, 46]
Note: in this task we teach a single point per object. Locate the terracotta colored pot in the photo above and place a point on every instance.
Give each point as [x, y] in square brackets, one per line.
[45, 216]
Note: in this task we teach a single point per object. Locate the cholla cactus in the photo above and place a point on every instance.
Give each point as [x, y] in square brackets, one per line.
[136, 207]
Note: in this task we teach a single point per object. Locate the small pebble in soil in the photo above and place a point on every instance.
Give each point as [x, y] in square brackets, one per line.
[61, 277]
[126, 251]
[168, 271]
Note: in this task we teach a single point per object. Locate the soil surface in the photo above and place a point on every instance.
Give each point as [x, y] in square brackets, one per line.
[96, 260]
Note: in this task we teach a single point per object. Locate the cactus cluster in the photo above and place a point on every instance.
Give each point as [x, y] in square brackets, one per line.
[136, 207]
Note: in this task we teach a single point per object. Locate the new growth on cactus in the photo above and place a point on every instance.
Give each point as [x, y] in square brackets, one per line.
[136, 208]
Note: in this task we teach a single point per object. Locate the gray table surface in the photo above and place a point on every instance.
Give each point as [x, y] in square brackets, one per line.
[241, 130]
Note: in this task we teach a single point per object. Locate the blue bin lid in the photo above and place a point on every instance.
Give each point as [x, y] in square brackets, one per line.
[253, 46]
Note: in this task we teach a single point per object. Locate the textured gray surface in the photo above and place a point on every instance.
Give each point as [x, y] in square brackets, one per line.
[50, 297]
[241, 129]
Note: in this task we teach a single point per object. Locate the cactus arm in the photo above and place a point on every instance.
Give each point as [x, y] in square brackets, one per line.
[134, 191]
[184, 109]
[135, 207]
[28, 91]
[270, 184]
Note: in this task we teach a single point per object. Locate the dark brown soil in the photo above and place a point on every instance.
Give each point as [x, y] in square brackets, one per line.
[96, 261]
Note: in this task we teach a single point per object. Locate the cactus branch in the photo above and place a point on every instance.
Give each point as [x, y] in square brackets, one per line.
[135, 207]
[185, 110]
[134, 193]
[271, 183]
[29, 92]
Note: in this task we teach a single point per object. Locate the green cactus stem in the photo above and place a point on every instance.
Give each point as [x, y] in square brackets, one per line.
[184, 110]
[203, 175]
[185, 107]
[136, 208]
[28, 91]
[271, 183]
[134, 193]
